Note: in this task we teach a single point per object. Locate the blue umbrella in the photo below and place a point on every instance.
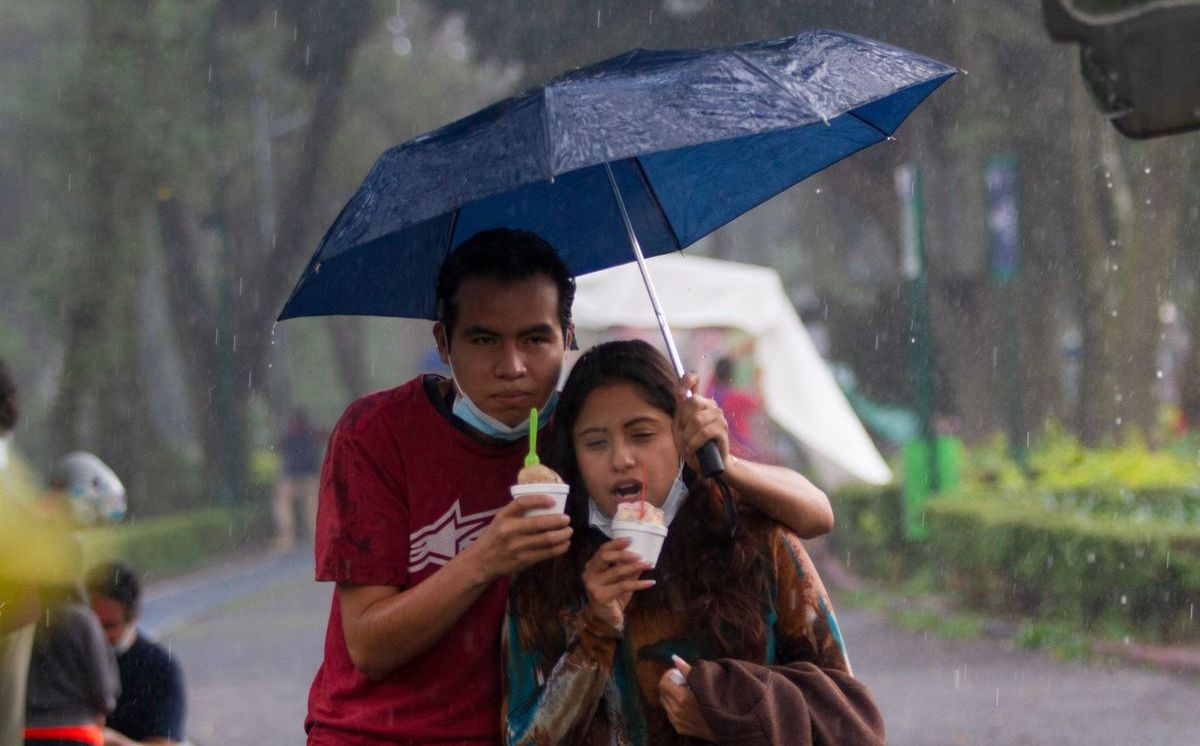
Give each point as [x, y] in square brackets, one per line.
[644, 153]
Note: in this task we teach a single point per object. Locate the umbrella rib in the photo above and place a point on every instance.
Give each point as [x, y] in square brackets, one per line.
[657, 205]
[771, 79]
[872, 125]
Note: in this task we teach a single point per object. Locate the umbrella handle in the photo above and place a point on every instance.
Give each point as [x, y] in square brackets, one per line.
[709, 457]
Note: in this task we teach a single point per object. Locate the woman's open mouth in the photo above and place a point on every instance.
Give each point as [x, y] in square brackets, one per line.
[627, 491]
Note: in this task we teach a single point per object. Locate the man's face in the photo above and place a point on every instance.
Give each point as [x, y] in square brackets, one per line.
[507, 347]
[113, 616]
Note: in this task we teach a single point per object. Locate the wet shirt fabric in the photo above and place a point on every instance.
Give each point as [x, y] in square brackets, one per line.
[404, 490]
[72, 670]
[603, 689]
[152, 702]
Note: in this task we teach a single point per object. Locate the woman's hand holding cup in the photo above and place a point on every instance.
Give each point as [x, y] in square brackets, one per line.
[611, 576]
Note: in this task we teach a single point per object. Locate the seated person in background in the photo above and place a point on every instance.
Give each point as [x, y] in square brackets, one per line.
[73, 680]
[591, 641]
[152, 704]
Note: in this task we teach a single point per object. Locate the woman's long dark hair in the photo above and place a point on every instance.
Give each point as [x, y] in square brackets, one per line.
[719, 580]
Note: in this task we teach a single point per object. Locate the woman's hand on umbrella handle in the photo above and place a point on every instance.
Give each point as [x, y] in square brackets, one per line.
[611, 577]
[698, 420]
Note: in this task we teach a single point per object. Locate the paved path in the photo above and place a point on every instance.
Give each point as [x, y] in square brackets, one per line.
[252, 634]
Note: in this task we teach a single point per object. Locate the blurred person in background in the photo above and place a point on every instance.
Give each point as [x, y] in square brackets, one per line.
[18, 604]
[152, 703]
[299, 470]
[73, 677]
[743, 408]
[73, 681]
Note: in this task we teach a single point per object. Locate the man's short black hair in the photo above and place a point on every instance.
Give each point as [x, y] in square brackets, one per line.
[9, 414]
[505, 255]
[118, 581]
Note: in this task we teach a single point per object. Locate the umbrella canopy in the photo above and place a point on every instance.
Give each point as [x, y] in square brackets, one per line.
[693, 138]
[798, 389]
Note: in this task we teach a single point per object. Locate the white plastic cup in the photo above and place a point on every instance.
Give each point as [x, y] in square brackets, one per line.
[646, 539]
[556, 490]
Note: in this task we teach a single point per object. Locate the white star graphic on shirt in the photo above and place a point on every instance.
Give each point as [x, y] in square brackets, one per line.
[440, 541]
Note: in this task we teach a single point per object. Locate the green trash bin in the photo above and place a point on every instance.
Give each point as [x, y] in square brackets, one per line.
[918, 485]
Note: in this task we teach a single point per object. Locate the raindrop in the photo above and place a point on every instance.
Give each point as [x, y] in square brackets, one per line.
[70, 178]
[1114, 313]
[275, 22]
[1108, 184]
[956, 679]
[1091, 558]
[818, 190]
[1147, 169]
[401, 45]
[1118, 420]
[1159, 374]
[1126, 639]
[876, 341]
[1147, 202]
[597, 18]
[1112, 242]
[997, 697]
[912, 340]
[235, 343]
[1168, 558]
[1124, 600]
[307, 53]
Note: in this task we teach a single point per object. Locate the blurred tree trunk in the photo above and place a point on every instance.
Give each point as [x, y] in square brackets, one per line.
[1146, 237]
[347, 334]
[253, 276]
[1041, 205]
[1096, 407]
[101, 403]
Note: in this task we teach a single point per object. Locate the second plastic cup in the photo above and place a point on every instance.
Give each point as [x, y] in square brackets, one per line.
[555, 490]
[646, 539]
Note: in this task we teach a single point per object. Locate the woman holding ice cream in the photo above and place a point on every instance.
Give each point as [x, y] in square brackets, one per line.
[730, 636]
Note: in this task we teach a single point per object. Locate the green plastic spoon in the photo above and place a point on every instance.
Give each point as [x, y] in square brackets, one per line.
[531, 458]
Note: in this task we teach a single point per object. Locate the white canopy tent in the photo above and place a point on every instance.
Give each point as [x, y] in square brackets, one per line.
[798, 389]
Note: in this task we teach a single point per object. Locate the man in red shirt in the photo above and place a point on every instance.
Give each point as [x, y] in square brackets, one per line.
[416, 525]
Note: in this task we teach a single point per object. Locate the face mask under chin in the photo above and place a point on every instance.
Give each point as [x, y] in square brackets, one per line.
[470, 413]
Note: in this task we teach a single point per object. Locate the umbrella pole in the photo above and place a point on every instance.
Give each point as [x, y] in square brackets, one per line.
[708, 455]
[672, 350]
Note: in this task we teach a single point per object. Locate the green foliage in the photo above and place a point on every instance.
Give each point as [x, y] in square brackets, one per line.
[174, 544]
[1011, 554]
[1061, 463]
[869, 534]
[1064, 641]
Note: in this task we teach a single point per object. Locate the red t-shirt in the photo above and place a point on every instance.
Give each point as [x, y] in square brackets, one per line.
[403, 490]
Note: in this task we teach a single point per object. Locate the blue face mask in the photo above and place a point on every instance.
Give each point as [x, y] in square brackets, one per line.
[467, 411]
[675, 498]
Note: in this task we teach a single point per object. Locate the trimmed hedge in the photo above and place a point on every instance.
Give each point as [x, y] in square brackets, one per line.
[1104, 560]
[177, 543]
[869, 532]
[1013, 554]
